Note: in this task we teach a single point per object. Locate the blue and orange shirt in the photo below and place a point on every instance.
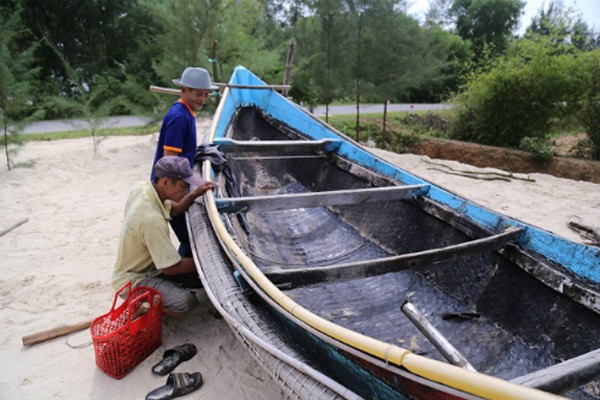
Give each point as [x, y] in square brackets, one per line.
[177, 133]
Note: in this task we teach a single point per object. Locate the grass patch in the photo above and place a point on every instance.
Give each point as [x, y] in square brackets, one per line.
[348, 119]
[403, 129]
[126, 131]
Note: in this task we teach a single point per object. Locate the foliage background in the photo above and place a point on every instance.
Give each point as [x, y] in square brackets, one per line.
[91, 58]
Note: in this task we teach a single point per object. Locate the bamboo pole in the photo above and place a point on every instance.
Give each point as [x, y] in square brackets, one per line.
[177, 92]
[163, 90]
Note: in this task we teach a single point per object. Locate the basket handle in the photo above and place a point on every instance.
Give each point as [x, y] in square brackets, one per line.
[138, 300]
[118, 294]
[136, 319]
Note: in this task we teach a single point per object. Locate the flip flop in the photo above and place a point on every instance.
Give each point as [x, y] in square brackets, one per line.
[173, 357]
[178, 384]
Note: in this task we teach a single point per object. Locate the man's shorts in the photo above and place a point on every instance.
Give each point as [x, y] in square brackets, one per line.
[175, 298]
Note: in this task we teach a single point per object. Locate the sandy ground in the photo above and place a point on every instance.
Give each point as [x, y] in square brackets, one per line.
[56, 267]
[56, 270]
[538, 199]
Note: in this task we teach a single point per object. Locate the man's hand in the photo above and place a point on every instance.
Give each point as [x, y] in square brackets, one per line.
[203, 188]
[188, 199]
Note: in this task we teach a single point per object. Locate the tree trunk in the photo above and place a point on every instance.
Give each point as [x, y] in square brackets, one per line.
[383, 128]
[6, 146]
[289, 64]
[215, 48]
[357, 128]
[358, 74]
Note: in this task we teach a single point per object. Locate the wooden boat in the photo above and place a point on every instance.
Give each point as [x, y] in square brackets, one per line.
[385, 283]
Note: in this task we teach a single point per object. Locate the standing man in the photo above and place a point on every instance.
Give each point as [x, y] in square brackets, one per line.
[146, 255]
[178, 134]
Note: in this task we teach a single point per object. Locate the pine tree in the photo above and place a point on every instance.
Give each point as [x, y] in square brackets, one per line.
[16, 76]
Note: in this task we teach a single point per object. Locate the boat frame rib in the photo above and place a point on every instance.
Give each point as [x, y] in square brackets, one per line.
[305, 276]
[317, 199]
[558, 280]
[281, 146]
[569, 374]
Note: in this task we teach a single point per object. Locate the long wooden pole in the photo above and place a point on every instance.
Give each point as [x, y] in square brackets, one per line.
[63, 330]
[164, 90]
[177, 92]
[54, 333]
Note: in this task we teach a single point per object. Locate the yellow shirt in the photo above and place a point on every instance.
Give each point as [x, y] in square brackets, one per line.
[145, 246]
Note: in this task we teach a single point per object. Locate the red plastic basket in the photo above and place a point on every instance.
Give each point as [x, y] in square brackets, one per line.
[120, 343]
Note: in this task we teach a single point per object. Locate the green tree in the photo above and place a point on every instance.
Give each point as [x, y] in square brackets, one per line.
[328, 65]
[16, 74]
[249, 36]
[402, 55]
[487, 23]
[108, 37]
[304, 89]
[564, 26]
[358, 51]
[92, 99]
[188, 36]
[438, 14]
[589, 95]
[244, 31]
[455, 55]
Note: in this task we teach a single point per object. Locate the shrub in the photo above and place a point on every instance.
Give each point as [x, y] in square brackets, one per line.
[539, 148]
[582, 149]
[518, 98]
[432, 123]
[402, 141]
[590, 103]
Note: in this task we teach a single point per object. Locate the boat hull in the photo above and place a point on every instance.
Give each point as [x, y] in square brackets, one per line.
[334, 241]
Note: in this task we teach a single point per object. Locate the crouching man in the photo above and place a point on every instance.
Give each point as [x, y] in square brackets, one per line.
[146, 255]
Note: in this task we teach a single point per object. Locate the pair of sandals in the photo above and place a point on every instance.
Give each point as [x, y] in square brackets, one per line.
[178, 383]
